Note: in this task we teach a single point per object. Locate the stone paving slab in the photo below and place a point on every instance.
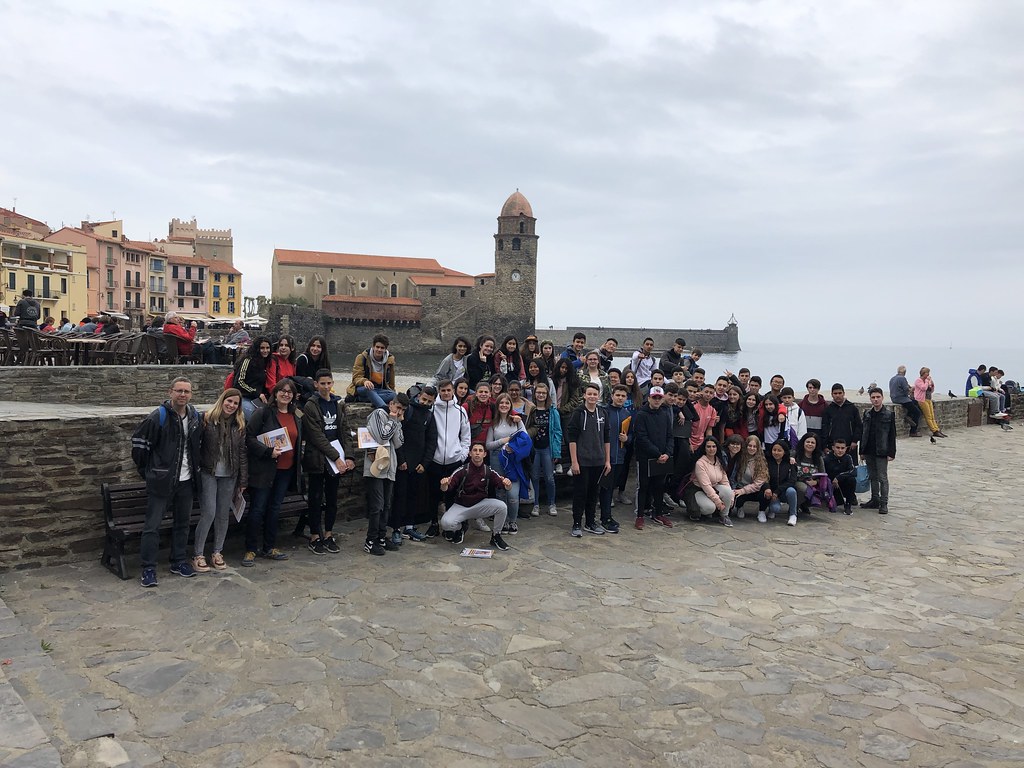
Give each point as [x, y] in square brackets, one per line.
[845, 641]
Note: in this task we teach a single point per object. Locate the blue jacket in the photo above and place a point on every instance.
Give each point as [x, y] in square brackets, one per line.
[512, 463]
[615, 418]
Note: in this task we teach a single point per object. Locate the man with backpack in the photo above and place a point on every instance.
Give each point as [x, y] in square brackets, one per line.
[27, 310]
[165, 449]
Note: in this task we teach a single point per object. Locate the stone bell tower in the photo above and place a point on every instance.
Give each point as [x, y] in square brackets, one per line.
[513, 309]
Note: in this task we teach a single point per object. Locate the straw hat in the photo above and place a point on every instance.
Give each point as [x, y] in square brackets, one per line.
[381, 462]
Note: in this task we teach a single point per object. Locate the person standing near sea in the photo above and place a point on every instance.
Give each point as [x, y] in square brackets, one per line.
[878, 448]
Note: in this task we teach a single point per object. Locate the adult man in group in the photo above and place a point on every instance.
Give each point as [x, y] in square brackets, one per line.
[652, 443]
[878, 448]
[183, 339]
[901, 394]
[841, 420]
[214, 352]
[451, 447]
[673, 358]
[165, 449]
[27, 310]
[373, 374]
[642, 362]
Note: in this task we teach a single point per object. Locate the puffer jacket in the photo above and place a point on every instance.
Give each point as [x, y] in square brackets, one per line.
[159, 446]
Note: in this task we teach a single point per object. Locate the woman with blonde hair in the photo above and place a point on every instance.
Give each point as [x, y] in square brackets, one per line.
[223, 472]
[750, 475]
[923, 389]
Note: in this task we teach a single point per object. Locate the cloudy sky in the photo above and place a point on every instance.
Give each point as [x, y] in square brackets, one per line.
[854, 166]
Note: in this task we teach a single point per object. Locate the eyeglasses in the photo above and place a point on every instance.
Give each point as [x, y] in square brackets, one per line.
[286, 392]
[182, 391]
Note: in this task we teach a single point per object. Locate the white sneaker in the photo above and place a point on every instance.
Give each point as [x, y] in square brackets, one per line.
[535, 512]
[482, 526]
[552, 510]
[1000, 415]
[667, 500]
[761, 517]
[792, 520]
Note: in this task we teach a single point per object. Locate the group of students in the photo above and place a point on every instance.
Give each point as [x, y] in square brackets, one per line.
[488, 436]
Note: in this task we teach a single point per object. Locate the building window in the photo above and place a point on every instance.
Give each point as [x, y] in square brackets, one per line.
[394, 291]
[231, 278]
[181, 303]
[174, 271]
[160, 304]
[516, 244]
[138, 280]
[181, 288]
[522, 227]
[113, 233]
[195, 303]
[188, 273]
[46, 286]
[216, 276]
[201, 273]
[110, 278]
[362, 285]
[501, 245]
[127, 277]
[12, 281]
[462, 294]
[156, 265]
[332, 288]
[127, 299]
[433, 291]
[30, 283]
[482, 281]
[63, 284]
[216, 307]
[138, 300]
[231, 292]
[216, 291]
[152, 302]
[231, 307]
[110, 254]
[299, 280]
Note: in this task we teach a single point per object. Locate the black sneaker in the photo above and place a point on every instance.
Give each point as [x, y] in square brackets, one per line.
[300, 530]
[872, 504]
[883, 510]
[610, 525]
[513, 528]
[498, 543]
[317, 547]
[847, 509]
[184, 568]
[373, 547]
[331, 545]
[432, 531]
[389, 544]
[458, 536]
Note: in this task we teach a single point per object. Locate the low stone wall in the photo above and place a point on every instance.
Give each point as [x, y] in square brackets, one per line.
[50, 506]
[120, 385]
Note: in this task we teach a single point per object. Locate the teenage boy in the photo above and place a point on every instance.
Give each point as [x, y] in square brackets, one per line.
[707, 418]
[574, 352]
[619, 439]
[373, 374]
[754, 386]
[794, 415]
[692, 361]
[698, 376]
[652, 427]
[776, 383]
[420, 432]
[165, 449]
[642, 363]
[607, 354]
[842, 471]
[878, 448]
[475, 487]
[673, 358]
[657, 380]
[841, 420]
[27, 310]
[590, 454]
[385, 427]
[683, 418]
[323, 419]
[451, 424]
[901, 394]
[678, 377]
[813, 406]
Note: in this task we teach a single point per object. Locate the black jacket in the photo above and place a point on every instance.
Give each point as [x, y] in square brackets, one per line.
[420, 433]
[878, 436]
[262, 465]
[652, 432]
[159, 446]
[317, 451]
[210, 451]
[841, 421]
[781, 475]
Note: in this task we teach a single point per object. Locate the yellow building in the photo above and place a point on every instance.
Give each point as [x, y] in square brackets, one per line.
[56, 275]
[225, 290]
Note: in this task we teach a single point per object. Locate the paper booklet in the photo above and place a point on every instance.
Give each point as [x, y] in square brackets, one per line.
[483, 553]
[276, 438]
[365, 440]
[238, 506]
[336, 444]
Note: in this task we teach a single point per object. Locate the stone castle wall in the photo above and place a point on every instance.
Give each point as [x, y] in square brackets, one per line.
[112, 385]
[709, 340]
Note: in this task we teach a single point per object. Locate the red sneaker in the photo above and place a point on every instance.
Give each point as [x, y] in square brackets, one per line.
[639, 524]
[662, 520]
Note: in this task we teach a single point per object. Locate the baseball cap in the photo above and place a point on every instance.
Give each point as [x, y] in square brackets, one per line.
[656, 392]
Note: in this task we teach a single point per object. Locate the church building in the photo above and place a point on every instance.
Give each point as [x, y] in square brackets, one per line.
[427, 303]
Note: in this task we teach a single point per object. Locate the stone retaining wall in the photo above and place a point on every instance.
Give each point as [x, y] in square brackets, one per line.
[117, 385]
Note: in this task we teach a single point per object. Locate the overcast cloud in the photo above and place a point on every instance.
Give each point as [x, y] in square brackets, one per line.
[703, 158]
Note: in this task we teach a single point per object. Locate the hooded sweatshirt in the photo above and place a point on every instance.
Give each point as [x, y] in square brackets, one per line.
[452, 425]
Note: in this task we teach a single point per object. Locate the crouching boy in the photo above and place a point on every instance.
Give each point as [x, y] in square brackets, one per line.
[475, 486]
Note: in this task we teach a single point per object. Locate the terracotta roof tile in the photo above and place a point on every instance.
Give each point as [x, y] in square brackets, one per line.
[356, 261]
[9, 212]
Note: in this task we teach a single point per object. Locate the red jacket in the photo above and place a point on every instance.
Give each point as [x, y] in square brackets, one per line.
[182, 336]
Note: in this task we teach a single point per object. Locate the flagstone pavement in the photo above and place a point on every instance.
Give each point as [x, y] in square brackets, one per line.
[846, 641]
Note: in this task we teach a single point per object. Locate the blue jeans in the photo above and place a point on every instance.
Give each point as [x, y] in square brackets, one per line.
[379, 396]
[264, 512]
[249, 407]
[543, 469]
[775, 506]
[511, 496]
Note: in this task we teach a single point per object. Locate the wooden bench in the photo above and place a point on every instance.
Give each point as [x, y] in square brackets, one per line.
[124, 512]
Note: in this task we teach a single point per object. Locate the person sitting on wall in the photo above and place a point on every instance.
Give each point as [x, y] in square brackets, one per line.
[184, 339]
[373, 374]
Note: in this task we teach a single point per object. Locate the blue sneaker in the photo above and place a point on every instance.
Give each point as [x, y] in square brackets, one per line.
[148, 577]
[396, 538]
[184, 568]
[413, 535]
